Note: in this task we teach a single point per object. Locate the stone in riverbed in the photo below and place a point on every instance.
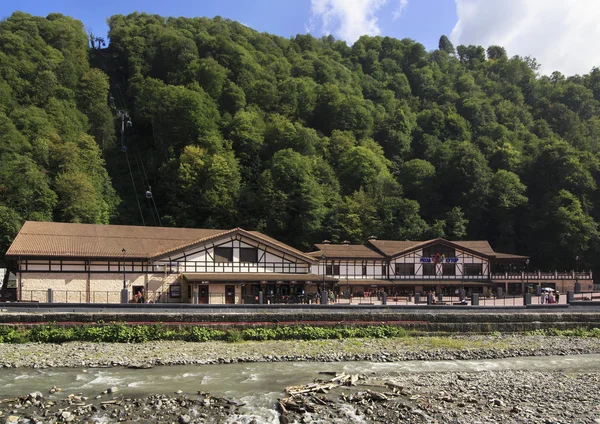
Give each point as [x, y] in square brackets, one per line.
[12, 419]
[112, 389]
[184, 419]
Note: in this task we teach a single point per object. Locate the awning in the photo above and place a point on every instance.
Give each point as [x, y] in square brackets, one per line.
[412, 283]
[254, 276]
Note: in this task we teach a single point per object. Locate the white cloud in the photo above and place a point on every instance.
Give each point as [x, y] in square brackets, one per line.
[398, 12]
[562, 35]
[347, 19]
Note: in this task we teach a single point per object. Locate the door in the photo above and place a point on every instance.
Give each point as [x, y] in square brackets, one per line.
[203, 295]
[229, 295]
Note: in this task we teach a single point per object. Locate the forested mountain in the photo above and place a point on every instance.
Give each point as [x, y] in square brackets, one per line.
[304, 139]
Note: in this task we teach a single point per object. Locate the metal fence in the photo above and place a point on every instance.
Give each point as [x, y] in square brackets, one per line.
[107, 297]
[505, 300]
[97, 296]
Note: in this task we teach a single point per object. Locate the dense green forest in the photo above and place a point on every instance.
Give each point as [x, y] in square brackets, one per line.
[304, 139]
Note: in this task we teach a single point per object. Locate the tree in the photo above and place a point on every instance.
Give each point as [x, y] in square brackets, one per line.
[446, 45]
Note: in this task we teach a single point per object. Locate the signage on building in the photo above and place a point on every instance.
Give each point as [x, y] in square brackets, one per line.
[447, 260]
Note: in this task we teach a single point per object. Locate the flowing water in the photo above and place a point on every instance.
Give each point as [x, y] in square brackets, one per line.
[258, 385]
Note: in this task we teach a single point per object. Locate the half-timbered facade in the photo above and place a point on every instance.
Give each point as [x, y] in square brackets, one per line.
[94, 263]
[439, 265]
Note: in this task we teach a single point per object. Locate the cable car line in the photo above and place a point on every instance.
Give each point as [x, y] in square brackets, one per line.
[134, 188]
[126, 123]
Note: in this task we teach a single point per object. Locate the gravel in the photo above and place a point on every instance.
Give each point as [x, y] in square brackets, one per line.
[82, 354]
[448, 397]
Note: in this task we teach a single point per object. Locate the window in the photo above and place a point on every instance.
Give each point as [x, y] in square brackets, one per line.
[175, 290]
[448, 269]
[364, 270]
[249, 255]
[384, 270]
[473, 269]
[332, 270]
[405, 269]
[223, 254]
[428, 269]
[430, 251]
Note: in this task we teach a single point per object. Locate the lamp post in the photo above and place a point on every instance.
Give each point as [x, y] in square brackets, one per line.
[526, 274]
[124, 295]
[577, 263]
[124, 280]
[324, 259]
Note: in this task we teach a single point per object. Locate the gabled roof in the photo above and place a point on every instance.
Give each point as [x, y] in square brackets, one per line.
[395, 248]
[350, 251]
[253, 235]
[56, 239]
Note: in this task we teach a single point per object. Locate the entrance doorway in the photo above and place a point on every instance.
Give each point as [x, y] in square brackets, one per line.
[229, 295]
[203, 295]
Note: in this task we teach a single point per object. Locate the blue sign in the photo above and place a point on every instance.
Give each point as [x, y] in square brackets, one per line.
[425, 259]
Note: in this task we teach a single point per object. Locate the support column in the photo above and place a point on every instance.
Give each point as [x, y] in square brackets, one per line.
[88, 283]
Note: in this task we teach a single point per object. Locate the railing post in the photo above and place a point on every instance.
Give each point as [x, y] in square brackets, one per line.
[429, 298]
[260, 297]
[527, 299]
[475, 299]
[570, 297]
[50, 296]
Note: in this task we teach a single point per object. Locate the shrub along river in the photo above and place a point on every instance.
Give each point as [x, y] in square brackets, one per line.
[255, 388]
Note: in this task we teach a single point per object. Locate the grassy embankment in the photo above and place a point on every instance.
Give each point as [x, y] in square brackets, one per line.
[121, 333]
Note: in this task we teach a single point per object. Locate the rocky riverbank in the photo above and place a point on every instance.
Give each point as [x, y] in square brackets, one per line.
[80, 354]
[463, 398]
[445, 397]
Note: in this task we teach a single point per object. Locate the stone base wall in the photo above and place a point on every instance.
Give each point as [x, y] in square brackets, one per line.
[456, 322]
[100, 288]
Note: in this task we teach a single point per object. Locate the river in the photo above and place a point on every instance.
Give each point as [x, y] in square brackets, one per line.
[258, 385]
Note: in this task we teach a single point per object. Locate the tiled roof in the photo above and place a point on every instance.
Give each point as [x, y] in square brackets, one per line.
[481, 246]
[392, 247]
[350, 251]
[100, 241]
[56, 239]
[510, 256]
[396, 247]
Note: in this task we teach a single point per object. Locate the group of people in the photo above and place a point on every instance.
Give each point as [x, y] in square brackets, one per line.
[138, 297]
[330, 296]
[549, 297]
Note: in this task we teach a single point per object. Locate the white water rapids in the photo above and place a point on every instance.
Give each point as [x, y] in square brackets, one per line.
[258, 385]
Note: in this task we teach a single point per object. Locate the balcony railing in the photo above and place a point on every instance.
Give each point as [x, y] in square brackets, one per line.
[538, 275]
[533, 276]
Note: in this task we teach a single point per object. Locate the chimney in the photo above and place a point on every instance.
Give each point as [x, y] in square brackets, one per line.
[372, 238]
[325, 242]
[345, 242]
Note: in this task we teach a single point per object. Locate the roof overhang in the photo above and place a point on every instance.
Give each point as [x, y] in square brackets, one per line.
[273, 244]
[254, 277]
[413, 283]
[442, 242]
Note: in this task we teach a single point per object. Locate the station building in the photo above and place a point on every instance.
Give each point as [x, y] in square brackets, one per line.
[437, 265]
[87, 263]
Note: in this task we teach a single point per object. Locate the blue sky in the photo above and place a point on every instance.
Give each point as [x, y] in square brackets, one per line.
[562, 35]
